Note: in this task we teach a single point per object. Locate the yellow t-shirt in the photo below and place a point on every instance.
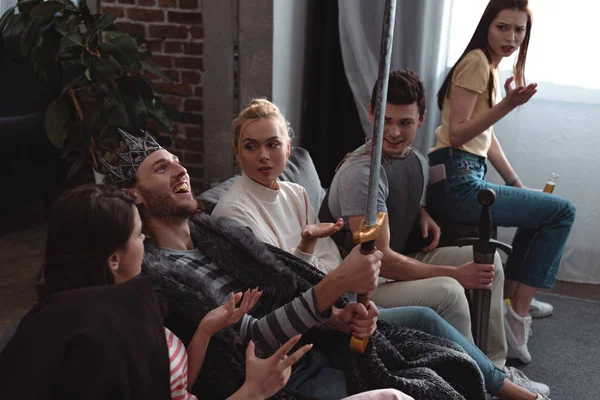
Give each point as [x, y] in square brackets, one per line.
[473, 73]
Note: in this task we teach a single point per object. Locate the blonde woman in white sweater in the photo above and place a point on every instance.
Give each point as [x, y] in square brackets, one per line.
[279, 213]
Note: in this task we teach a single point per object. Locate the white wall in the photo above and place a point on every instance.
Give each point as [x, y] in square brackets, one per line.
[559, 131]
[289, 38]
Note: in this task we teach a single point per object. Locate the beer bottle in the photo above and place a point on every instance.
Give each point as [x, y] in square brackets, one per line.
[549, 188]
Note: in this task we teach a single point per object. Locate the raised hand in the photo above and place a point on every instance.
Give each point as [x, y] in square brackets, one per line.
[475, 276]
[321, 230]
[266, 377]
[520, 94]
[227, 314]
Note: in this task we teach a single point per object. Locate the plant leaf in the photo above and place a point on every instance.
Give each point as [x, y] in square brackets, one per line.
[152, 69]
[83, 8]
[61, 26]
[136, 109]
[113, 30]
[138, 83]
[153, 86]
[27, 5]
[159, 116]
[88, 19]
[90, 123]
[114, 110]
[71, 40]
[106, 67]
[47, 9]
[73, 75]
[104, 20]
[122, 48]
[57, 114]
[73, 23]
[69, 5]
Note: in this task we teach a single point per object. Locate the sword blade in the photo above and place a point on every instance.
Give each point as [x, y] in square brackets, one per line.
[385, 57]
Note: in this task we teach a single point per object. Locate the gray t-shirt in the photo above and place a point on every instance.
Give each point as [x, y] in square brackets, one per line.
[400, 192]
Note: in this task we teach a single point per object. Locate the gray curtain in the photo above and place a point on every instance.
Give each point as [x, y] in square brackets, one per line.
[6, 4]
[420, 43]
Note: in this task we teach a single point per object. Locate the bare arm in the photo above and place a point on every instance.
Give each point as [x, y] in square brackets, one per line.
[464, 127]
[402, 268]
[500, 162]
[398, 266]
[196, 353]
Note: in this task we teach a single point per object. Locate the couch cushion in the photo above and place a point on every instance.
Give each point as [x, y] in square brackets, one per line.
[211, 197]
[299, 169]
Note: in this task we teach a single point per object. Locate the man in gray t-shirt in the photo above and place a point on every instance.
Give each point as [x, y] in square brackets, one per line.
[401, 179]
[433, 277]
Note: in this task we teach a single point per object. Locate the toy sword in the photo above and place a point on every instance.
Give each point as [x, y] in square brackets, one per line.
[371, 224]
[484, 249]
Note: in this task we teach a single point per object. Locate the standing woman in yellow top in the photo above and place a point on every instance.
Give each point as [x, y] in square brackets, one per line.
[471, 104]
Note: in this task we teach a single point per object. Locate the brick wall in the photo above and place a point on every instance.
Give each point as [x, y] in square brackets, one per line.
[174, 31]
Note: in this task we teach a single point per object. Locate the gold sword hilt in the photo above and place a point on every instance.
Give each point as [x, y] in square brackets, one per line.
[365, 236]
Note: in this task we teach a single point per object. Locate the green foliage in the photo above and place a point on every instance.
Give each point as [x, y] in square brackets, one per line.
[87, 65]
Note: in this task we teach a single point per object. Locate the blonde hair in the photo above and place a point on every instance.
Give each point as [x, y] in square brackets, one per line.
[258, 109]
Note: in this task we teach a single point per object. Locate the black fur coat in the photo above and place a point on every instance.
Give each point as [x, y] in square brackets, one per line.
[420, 365]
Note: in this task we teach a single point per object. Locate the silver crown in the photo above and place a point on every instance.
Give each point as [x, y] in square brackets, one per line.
[123, 169]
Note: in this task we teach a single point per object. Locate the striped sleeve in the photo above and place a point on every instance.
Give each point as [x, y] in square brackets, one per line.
[178, 365]
[276, 328]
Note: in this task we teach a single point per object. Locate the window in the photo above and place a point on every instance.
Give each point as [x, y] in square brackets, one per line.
[6, 4]
[562, 45]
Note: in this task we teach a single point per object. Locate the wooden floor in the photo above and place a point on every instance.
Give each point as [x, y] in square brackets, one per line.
[22, 241]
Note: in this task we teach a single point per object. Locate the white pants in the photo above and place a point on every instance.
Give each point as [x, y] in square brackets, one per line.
[447, 297]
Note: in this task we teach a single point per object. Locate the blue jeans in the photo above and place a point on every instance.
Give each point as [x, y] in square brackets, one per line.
[543, 220]
[321, 378]
[426, 320]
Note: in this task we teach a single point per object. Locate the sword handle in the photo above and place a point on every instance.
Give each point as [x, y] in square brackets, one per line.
[366, 236]
[360, 345]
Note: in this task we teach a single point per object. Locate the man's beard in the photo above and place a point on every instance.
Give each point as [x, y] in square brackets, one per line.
[162, 207]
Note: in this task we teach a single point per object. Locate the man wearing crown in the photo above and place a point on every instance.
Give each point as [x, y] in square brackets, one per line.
[195, 260]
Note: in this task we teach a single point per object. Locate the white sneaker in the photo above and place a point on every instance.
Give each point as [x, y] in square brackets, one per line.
[519, 378]
[540, 309]
[518, 330]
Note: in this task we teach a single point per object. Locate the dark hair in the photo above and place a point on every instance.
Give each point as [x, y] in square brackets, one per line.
[479, 41]
[404, 87]
[85, 226]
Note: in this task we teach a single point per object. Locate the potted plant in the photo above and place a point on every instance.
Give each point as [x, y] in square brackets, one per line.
[96, 76]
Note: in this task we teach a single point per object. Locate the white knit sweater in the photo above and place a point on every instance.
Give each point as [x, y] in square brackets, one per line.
[277, 217]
